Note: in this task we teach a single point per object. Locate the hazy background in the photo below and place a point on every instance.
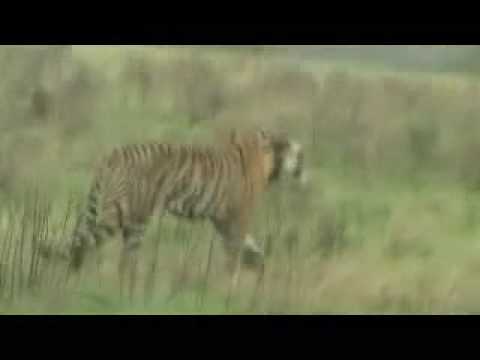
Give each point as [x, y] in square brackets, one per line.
[413, 57]
[406, 57]
[388, 224]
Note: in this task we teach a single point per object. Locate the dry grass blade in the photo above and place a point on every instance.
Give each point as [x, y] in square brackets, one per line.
[152, 271]
[5, 246]
[205, 283]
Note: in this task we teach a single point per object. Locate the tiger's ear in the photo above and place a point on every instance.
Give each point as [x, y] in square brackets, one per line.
[264, 135]
[234, 136]
[264, 138]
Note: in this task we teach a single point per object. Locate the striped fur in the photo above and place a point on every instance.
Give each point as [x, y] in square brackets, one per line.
[219, 183]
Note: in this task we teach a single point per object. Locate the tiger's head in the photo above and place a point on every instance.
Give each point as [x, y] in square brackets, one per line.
[281, 155]
[286, 156]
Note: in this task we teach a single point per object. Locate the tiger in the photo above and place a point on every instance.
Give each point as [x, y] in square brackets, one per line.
[219, 183]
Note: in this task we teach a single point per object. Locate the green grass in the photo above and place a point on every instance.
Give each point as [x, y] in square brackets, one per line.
[349, 250]
[388, 223]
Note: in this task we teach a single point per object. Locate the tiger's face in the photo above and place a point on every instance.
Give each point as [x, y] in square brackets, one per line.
[283, 157]
[293, 161]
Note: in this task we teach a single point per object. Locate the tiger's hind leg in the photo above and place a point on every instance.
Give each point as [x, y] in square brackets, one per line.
[132, 235]
[86, 241]
[149, 286]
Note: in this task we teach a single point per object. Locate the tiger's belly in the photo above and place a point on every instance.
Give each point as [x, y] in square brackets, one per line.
[190, 208]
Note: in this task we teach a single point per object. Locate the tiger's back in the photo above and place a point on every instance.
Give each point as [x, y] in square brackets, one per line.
[185, 180]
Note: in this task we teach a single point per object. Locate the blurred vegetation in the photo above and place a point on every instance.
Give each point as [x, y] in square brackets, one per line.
[452, 58]
[389, 222]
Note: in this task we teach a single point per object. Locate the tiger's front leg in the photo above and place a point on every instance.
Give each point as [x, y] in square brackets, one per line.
[246, 254]
[241, 250]
[254, 257]
[232, 237]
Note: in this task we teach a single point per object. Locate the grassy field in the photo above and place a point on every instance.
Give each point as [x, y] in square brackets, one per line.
[388, 224]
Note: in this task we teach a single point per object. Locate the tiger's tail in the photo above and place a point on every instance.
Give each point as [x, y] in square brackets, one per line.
[85, 232]
[81, 239]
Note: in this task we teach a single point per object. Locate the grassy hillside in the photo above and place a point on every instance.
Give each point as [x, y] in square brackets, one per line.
[453, 58]
[388, 224]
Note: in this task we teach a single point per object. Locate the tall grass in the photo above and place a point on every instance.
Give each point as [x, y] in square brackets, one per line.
[388, 223]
